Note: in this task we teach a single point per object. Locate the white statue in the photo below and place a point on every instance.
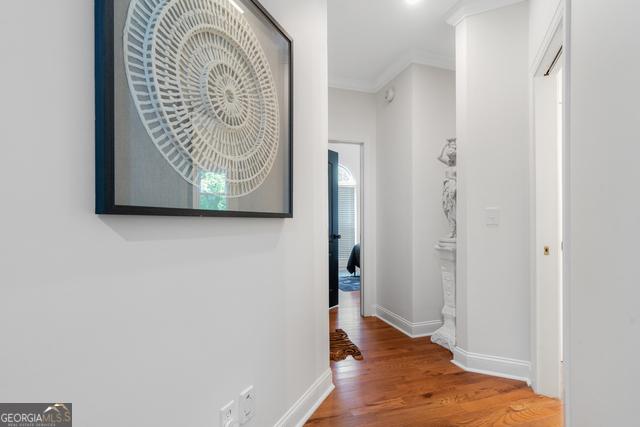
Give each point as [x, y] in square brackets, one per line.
[446, 335]
[448, 157]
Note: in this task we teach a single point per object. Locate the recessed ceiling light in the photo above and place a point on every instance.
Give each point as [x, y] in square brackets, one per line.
[412, 2]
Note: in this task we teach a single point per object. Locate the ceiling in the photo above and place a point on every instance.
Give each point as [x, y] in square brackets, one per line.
[371, 41]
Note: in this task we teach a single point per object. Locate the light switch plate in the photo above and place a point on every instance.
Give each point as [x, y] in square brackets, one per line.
[492, 217]
[247, 405]
[227, 416]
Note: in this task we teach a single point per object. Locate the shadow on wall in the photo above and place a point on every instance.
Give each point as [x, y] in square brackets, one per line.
[152, 228]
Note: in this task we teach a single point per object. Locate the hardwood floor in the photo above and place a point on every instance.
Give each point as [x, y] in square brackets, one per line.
[404, 382]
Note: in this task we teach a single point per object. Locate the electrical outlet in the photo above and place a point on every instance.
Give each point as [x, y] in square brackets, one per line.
[247, 405]
[227, 415]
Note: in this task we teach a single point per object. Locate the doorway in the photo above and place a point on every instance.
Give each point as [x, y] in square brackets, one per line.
[547, 86]
[346, 284]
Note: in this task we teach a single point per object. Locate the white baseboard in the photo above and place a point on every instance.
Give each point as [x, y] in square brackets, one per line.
[492, 365]
[304, 407]
[413, 330]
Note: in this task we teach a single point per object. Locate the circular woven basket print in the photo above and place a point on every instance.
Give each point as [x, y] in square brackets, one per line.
[204, 90]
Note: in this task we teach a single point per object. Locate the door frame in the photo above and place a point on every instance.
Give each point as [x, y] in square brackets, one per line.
[561, 22]
[334, 229]
[361, 219]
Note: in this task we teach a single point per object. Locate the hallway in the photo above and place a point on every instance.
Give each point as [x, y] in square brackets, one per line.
[411, 382]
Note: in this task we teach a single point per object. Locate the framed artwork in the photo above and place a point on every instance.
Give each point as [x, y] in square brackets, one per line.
[194, 112]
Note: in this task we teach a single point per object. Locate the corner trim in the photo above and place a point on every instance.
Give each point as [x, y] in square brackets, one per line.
[545, 44]
[496, 366]
[307, 404]
[466, 8]
[412, 330]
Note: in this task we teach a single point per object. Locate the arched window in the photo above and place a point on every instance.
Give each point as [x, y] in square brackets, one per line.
[347, 214]
[345, 177]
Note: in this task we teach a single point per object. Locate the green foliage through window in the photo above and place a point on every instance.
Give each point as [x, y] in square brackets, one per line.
[211, 186]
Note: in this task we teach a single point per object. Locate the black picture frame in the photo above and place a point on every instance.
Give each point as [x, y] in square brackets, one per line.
[105, 122]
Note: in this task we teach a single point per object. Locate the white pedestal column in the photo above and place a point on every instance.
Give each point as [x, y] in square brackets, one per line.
[446, 335]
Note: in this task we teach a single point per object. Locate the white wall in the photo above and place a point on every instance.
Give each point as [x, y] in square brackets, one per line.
[602, 251]
[142, 311]
[395, 198]
[434, 106]
[493, 171]
[352, 117]
[411, 132]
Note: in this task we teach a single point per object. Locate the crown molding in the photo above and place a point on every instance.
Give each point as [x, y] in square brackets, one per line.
[466, 8]
[357, 85]
[392, 71]
[405, 61]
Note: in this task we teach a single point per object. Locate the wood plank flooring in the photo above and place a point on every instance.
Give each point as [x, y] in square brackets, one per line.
[404, 382]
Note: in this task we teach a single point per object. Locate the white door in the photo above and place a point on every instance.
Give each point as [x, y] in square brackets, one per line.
[548, 289]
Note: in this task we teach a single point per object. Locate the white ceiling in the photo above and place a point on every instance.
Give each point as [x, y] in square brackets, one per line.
[371, 41]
